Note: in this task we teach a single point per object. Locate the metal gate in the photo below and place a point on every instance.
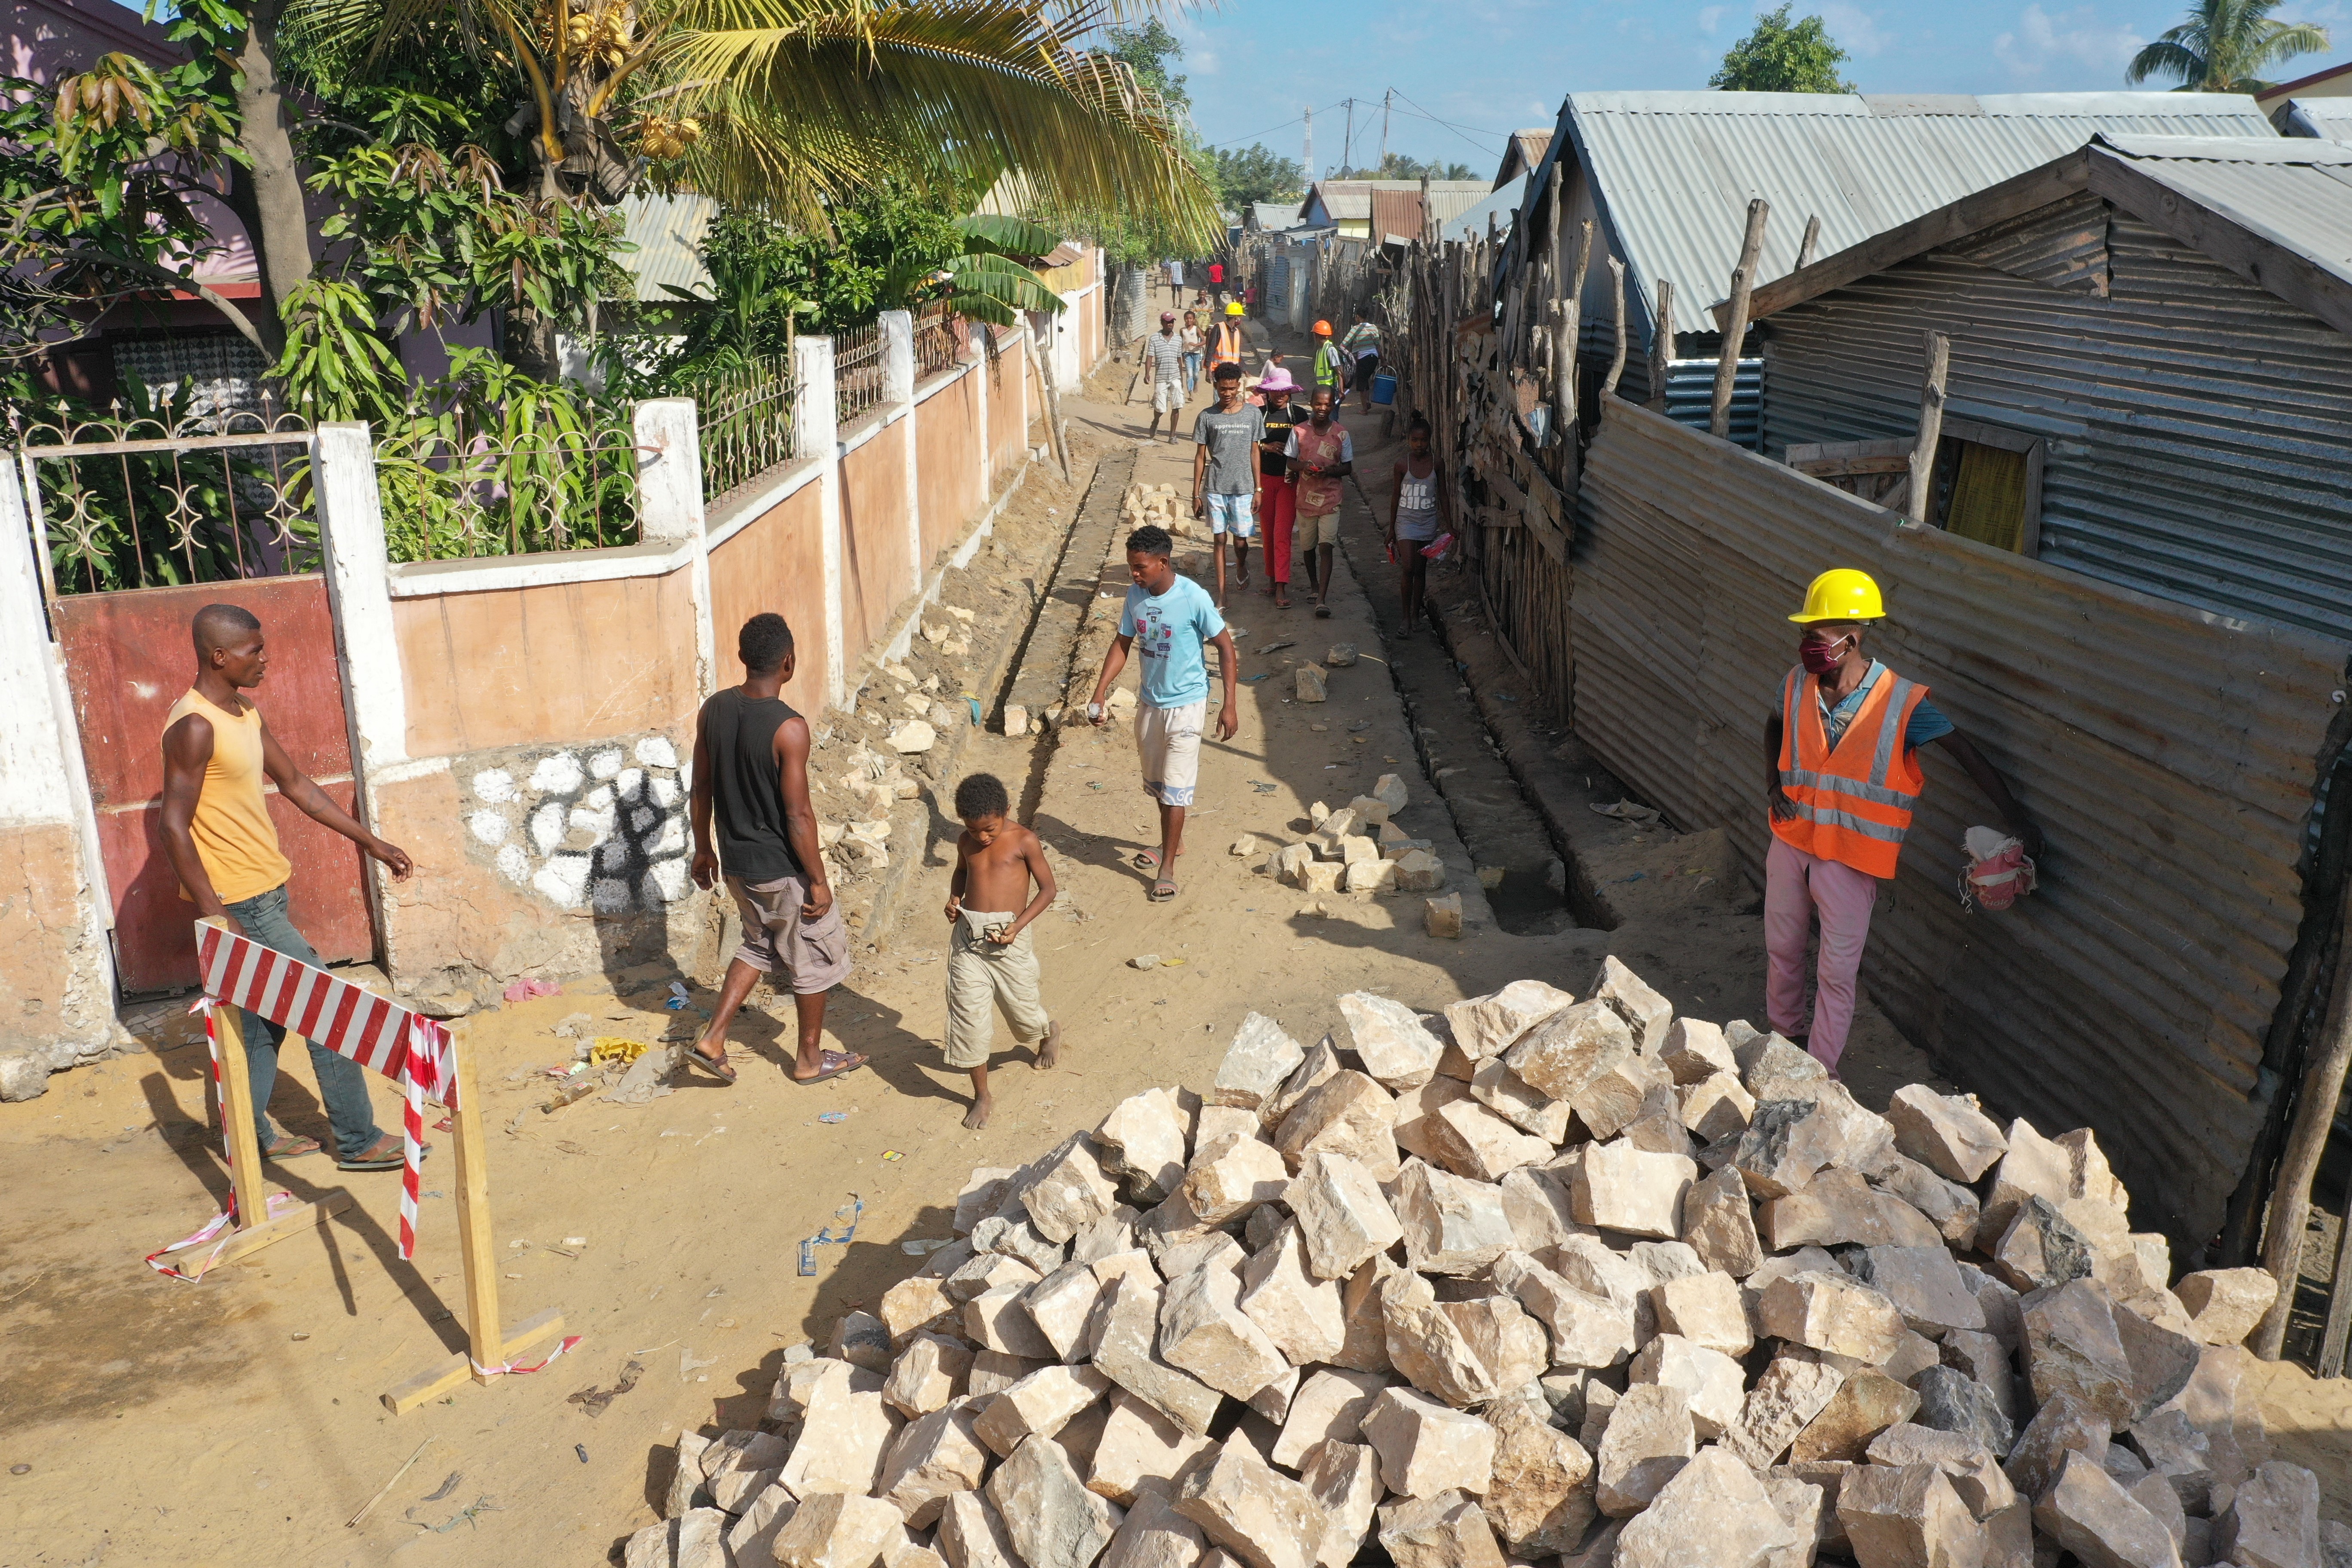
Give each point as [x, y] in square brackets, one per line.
[224, 498]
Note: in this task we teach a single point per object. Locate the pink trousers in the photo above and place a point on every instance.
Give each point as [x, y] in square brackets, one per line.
[1797, 888]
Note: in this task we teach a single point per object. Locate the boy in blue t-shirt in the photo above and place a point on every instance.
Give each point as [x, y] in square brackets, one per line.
[1173, 622]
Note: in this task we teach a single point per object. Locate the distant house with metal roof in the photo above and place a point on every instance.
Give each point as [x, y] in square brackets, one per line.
[2335, 82]
[1271, 217]
[1665, 178]
[667, 232]
[2149, 379]
[1522, 154]
[2328, 118]
[1346, 204]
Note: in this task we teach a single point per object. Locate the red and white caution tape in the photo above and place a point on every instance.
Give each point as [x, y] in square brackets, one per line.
[509, 1369]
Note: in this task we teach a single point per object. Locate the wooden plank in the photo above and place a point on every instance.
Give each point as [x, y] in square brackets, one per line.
[278, 1227]
[476, 1243]
[2011, 198]
[1834, 468]
[432, 1384]
[1806, 451]
[237, 1117]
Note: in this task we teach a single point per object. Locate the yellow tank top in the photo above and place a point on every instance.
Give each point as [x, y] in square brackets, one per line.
[235, 837]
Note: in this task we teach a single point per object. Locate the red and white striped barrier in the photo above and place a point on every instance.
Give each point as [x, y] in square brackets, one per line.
[373, 1031]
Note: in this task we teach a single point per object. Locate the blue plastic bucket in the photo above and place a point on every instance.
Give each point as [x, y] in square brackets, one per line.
[1384, 388]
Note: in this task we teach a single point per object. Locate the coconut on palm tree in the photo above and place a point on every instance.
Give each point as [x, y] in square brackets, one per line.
[2224, 46]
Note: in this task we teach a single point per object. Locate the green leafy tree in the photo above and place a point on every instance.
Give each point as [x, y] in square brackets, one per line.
[1258, 174]
[1782, 57]
[1398, 166]
[1146, 50]
[2225, 46]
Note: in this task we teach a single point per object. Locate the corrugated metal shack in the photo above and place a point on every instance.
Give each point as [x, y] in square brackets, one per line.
[2164, 682]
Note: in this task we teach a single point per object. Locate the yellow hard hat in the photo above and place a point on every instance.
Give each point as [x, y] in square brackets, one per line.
[1233, 308]
[1840, 594]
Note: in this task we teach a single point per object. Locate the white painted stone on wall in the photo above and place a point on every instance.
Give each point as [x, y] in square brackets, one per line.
[558, 772]
[514, 865]
[490, 827]
[547, 827]
[666, 792]
[605, 763]
[494, 784]
[655, 752]
[564, 879]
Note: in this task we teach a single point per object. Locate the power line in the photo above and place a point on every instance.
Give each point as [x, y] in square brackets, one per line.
[1270, 130]
[1462, 131]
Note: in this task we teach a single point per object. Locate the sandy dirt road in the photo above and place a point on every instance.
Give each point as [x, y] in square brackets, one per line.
[238, 1421]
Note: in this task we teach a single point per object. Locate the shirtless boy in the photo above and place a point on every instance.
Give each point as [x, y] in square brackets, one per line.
[991, 964]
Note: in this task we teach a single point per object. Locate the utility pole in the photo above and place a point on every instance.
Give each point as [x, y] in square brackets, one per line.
[1311, 146]
[1347, 141]
[1385, 95]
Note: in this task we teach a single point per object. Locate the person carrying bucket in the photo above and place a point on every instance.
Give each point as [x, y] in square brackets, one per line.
[1362, 347]
[1843, 774]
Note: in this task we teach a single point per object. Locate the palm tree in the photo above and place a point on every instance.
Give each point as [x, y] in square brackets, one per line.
[2223, 46]
[789, 105]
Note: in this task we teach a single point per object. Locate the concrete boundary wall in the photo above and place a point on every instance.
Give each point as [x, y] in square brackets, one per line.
[522, 725]
[2169, 756]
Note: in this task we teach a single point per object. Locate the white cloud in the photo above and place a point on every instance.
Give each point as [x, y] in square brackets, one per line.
[1856, 30]
[1709, 16]
[2080, 37]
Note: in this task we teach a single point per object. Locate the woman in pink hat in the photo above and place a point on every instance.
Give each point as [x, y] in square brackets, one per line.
[1278, 496]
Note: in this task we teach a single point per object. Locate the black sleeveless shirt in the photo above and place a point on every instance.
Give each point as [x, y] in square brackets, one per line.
[747, 786]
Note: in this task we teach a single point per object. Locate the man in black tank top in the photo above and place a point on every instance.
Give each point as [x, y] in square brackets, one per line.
[750, 763]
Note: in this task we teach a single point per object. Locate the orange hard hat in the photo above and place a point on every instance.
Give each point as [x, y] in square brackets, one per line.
[1322, 328]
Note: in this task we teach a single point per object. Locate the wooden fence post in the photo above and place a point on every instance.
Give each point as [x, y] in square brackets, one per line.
[1735, 328]
[1661, 345]
[1931, 428]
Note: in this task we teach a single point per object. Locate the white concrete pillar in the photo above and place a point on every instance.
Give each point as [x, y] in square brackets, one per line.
[976, 355]
[44, 784]
[669, 509]
[898, 391]
[359, 595]
[1069, 343]
[816, 435]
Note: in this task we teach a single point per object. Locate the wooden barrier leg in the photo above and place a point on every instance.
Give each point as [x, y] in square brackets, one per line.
[476, 1239]
[236, 1118]
[256, 1227]
[486, 1342]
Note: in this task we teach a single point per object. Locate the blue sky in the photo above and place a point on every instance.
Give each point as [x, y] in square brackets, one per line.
[1488, 66]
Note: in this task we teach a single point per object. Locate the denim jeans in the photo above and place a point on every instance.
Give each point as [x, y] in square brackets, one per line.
[342, 1082]
[1192, 372]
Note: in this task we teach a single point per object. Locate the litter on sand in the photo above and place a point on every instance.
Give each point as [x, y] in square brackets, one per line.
[855, 1209]
[888, 1154]
[525, 990]
[1254, 680]
[614, 1048]
[678, 996]
[833, 1116]
[1624, 811]
[1275, 647]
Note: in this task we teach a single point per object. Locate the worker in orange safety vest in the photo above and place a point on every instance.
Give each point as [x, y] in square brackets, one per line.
[1841, 756]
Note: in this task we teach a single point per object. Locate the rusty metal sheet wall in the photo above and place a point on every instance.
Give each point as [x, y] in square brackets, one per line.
[2195, 423]
[2168, 754]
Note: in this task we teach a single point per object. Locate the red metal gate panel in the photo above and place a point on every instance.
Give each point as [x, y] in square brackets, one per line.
[128, 659]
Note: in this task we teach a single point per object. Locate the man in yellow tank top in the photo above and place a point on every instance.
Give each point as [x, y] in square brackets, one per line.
[219, 839]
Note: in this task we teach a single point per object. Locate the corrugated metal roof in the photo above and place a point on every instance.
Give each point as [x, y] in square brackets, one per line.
[2328, 118]
[2134, 991]
[1448, 200]
[1470, 223]
[1674, 172]
[2294, 192]
[1274, 218]
[667, 233]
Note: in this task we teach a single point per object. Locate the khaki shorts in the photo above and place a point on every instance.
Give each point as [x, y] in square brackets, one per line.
[1168, 742]
[1315, 527]
[983, 976]
[1168, 396]
[812, 955]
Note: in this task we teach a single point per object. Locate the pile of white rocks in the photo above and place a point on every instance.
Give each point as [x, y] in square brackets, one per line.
[1162, 504]
[1544, 1278]
[1355, 848]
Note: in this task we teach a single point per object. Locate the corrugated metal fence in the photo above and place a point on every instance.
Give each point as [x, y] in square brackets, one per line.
[2169, 756]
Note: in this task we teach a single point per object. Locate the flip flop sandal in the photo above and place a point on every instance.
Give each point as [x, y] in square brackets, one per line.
[373, 1161]
[832, 1065]
[1147, 859]
[289, 1146]
[1162, 890]
[1322, 612]
[719, 1067]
